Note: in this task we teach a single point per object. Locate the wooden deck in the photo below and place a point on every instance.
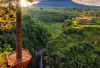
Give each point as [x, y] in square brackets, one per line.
[26, 58]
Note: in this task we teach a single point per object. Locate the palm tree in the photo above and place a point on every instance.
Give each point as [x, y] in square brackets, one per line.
[18, 31]
[21, 57]
[19, 37]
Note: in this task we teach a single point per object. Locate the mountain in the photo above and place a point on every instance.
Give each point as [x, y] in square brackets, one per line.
[61, 3]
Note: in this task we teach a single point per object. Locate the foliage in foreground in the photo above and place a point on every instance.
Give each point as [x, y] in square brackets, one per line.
[8, 37]
[3, 57]
[4, 51]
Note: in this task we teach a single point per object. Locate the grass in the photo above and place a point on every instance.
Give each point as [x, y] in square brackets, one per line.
[97, 20]
[54, 26]
[82, 26]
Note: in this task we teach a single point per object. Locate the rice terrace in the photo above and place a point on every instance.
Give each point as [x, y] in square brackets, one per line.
[49, 33]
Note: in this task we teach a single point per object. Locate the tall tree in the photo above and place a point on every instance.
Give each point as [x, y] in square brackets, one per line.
[18, 31]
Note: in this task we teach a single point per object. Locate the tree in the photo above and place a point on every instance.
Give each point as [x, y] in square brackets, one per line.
[67, 23]
[74, 49]
[34, 34]
[18, 28]
[7, 15]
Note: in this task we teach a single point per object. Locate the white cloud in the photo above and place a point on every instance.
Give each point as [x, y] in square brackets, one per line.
[88, 2]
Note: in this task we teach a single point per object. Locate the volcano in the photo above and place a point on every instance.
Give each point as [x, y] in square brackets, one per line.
[61, 3]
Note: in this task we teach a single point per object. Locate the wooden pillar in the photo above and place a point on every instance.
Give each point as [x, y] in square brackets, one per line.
[18, 31]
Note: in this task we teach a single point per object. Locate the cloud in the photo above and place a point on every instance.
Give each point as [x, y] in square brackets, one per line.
[88, 2]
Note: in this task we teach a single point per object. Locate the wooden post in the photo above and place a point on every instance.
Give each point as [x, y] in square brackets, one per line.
[18, 31]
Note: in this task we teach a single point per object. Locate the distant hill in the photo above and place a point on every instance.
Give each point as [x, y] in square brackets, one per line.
[61, 3]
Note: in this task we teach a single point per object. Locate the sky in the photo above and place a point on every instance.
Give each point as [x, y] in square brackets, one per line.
[88, 2]
[85, 2]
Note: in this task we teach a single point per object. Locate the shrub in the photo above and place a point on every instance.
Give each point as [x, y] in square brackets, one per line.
[3, 57]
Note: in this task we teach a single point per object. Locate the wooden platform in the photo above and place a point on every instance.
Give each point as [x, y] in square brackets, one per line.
[26, 58]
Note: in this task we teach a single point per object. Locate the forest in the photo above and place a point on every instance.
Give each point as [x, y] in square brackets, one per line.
[63, 37]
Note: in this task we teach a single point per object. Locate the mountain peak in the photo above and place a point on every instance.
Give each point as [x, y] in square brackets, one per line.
[61, 3]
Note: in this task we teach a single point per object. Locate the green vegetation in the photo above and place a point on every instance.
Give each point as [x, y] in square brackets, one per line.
[4, 52]
[3, 57]
[74, 48]
[35, 35]
[97, 20]
[70, 37]
[6, 47]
